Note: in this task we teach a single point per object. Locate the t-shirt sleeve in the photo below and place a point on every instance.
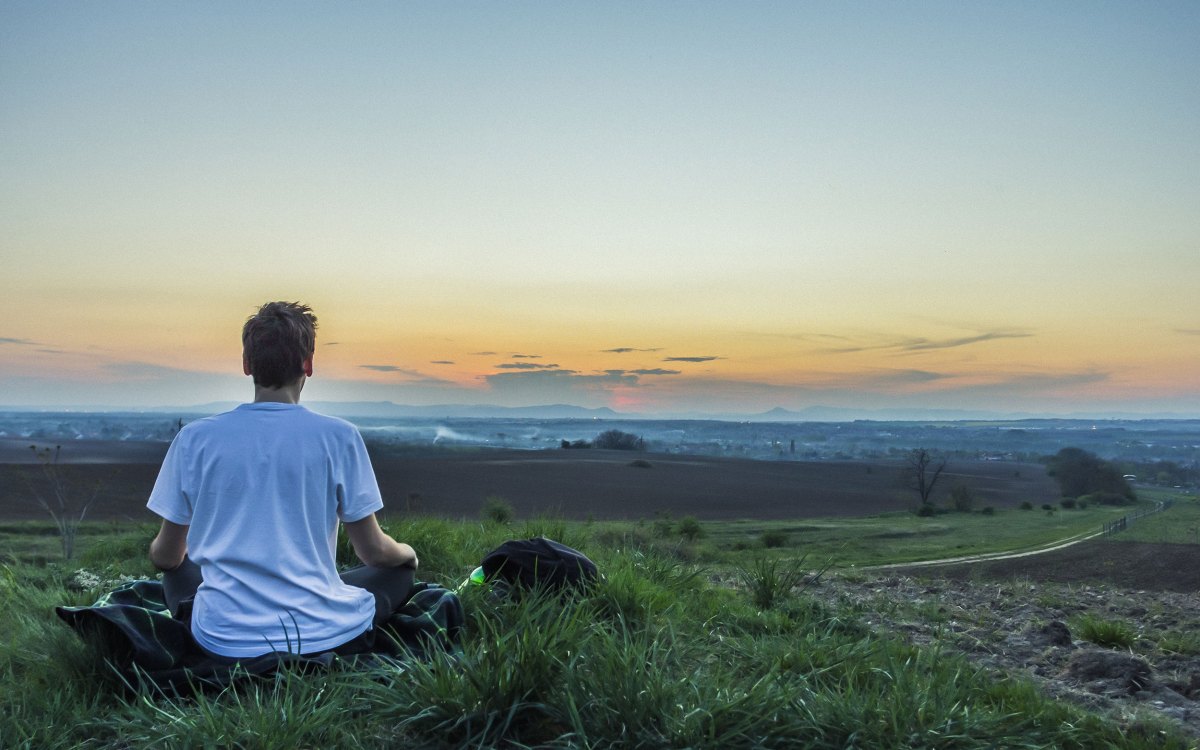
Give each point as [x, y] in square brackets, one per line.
[358, 492]
[169, 498]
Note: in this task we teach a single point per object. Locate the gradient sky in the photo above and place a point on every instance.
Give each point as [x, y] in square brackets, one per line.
[658, 207]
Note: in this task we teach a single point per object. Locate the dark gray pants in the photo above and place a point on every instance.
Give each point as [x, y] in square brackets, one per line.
[390, 586]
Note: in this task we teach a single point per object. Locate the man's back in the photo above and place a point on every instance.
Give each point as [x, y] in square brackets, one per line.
[262, 488]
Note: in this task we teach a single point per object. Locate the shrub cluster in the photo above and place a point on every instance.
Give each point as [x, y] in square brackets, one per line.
[1081, 473]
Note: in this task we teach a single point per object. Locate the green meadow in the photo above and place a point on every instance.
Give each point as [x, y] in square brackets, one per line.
[658, 654]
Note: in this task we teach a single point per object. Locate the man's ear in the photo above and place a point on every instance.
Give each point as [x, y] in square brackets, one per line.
[246, 365]
[307, 365]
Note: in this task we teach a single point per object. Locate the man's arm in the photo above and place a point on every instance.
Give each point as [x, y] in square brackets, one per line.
[377, 549]
[170, 546]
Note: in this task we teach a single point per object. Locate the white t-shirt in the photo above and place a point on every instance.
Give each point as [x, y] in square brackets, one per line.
[262, 489]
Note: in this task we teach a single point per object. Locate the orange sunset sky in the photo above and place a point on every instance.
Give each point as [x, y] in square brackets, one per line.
[663, 208]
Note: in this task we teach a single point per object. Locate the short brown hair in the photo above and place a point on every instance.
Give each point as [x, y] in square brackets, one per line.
[276, 340]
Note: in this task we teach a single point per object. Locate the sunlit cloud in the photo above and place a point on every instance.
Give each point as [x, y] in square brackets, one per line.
[526, 366]
[412, 376]
[557, 386]
[655, 371]
[441, 362]
[924, 344]
[483, 354]
[132, 370]
[886, 379]
[628, 349]
[690, 359]
[526, 356]
[921, 343]
[1015, 383]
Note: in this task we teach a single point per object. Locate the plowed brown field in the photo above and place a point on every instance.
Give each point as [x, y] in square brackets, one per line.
[574, 484]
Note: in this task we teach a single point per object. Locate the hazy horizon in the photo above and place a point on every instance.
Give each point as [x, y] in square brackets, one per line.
[656, 208]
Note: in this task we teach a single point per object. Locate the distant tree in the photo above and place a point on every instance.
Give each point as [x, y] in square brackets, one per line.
[620, 441]
[1081, 473]
[924, 470]
[64, 504]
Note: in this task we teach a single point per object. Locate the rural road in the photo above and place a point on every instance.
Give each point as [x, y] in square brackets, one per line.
[1060, 544]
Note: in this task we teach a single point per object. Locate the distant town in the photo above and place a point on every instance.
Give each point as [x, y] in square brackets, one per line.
[1161, 452]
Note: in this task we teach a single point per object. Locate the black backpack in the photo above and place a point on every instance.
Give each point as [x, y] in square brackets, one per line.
[529, 563]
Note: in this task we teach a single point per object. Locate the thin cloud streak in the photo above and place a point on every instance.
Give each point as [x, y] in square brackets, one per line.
[925, 344]
[17, 342]
[525, 366]
[654, 371]
[628, 349]
[690, 359]
[920, 343]
[415, 377]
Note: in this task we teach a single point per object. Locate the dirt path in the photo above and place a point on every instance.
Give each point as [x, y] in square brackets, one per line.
[983, 557]
[1009, 555]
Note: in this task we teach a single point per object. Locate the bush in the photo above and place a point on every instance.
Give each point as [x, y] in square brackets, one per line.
[662, 525]
[1026, 505]
[616, 440]
[988, 511]
[926, 510]
[497, 510]
[1081, 473]
[961, 498]
[690, 529]
[774, 538]
[769, 580]
[1106, 633]
[1068, 503]
[1106, 498]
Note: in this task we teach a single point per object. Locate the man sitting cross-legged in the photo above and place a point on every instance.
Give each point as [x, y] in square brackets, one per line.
[251, 501]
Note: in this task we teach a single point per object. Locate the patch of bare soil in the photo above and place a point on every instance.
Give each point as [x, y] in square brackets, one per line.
[1131, 565]
[573, 484]
[578, 484]
[1024, 619]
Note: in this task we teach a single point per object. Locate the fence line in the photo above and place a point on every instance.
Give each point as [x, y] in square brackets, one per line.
[1124, 522]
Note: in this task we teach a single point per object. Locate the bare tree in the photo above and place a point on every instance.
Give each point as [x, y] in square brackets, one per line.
[67, 512]
[924, 469]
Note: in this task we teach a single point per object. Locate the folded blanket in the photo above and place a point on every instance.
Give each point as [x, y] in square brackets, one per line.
[148, 648]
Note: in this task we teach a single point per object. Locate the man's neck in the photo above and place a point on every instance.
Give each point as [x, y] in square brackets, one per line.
[287, 394]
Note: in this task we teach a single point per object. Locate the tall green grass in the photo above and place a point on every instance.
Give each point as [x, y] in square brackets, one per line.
[654, 655]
